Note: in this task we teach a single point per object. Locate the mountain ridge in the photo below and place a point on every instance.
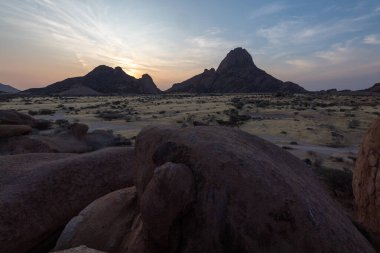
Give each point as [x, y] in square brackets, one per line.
[237, 73]
[102, 80]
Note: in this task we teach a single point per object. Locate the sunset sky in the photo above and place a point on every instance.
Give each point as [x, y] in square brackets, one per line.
[318, 44]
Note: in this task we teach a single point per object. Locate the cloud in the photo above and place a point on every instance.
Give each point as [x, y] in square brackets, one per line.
[72, 26]
[301, 30]
[279, 33]
[339, 53]
[372, 39]
[302, 64]
[268, 10]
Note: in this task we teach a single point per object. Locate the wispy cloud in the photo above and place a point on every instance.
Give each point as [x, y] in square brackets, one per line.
[372, 39]
[76, 27]
[302, 30]
[269, 9]
[207, 48]
[339, 53]
[302, 64]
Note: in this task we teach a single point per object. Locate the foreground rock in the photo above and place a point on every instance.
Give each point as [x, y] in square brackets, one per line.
[42, 199]
[104, 223]
[11, 117]
[366, 181]
[214, 189]
[73, 140]
[80, 249]
[13, 167]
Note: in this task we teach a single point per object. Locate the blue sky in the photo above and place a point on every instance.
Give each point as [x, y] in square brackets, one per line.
[318, 44]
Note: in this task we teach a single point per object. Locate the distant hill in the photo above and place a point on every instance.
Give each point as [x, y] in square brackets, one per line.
[374, 88]
[237, 73]
[8, 89]
[102, 80]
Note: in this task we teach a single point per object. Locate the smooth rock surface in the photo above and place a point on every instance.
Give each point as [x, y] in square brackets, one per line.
[45, 198]
[80, 249]
[103, 224]
[250, 196]
[366, 180]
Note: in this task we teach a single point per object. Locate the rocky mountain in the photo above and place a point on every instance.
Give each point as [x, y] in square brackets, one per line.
[101, 80]
[237, 73]
[7, 88]
[374, 88]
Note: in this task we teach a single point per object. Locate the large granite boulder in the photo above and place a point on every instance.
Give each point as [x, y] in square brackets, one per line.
[103, 224]
[215, 189]
[366, 181]
[44, 198]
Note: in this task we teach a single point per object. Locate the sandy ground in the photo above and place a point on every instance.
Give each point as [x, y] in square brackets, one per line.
[322, 128]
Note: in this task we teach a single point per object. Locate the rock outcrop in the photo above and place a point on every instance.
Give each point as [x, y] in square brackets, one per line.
[366, 181]
[12, 117]
[43, 198]
[237, 73]
[101, 80]
[215, 189]
[73, 138]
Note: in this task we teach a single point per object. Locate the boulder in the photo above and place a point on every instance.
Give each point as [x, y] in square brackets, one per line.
[64, 142]
[103, 224]
[12, 117]
[41, 202]
[172, 185]
[113, 224]
[249, 196]
[7, 131]
[215, 189]
[366, 181]
[80, 249]
[78, 130]
[13, 167]
[25, 144]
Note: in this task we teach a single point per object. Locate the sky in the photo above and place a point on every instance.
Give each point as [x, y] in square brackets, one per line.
[317, 44]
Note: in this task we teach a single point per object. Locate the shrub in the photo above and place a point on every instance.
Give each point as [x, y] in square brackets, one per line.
[336, 180]
[354, 123]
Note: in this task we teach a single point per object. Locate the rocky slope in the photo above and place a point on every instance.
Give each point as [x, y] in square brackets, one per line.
[103, 80]
[237, 73]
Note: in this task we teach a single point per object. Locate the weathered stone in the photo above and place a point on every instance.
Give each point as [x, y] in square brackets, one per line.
[41, 201]
[366, 180]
